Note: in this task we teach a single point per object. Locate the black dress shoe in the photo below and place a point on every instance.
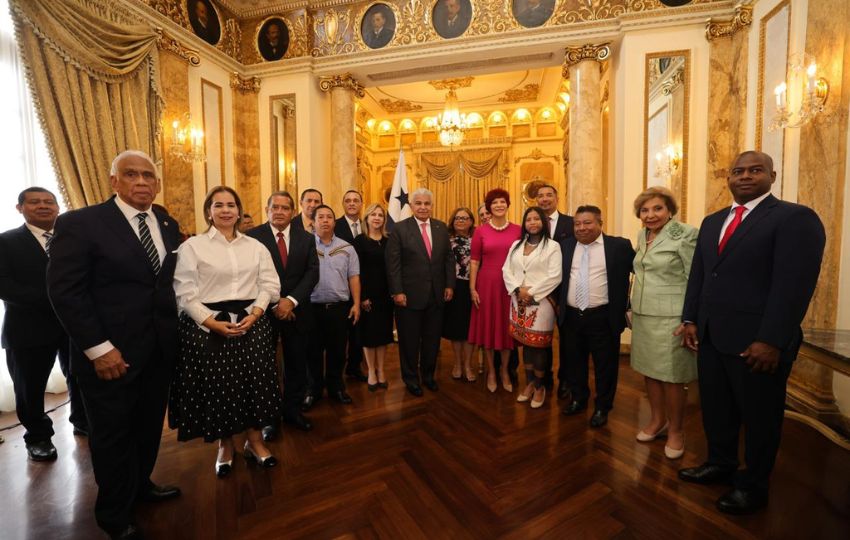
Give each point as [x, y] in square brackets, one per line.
[599, 418]
[269, 433]
[130, 532]
[563, 391]
[707, 473]
[741, 502]
[356, 375]
[415, 389]
[432, 385]
[155, 493]
[42, 451]
[309, 401]
[81, 431]
[574, 407]
[342, 397]
[372, 387]
[299, 421]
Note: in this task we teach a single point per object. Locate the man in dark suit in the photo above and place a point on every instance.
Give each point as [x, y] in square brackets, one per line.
[452, 17]
[348, 227]
[754, 272]
[204, 23]
[273, 40]
[421, 276]
[593, 299]
[110, 280]
[536, 13]
[310, 200]
[379, 34]
[32, 335]
[294, 254]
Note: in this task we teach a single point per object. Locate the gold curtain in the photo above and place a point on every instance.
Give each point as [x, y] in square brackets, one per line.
[461, 178]
[91, 67]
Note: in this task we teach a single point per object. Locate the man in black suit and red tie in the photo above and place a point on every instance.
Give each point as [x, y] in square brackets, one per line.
[32, 335]
[348, 227]
[293, 251]
[421, 276]
[753, 275]
[110, 280]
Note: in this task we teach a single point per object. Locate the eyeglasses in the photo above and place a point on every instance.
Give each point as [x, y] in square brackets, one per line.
[461, 218]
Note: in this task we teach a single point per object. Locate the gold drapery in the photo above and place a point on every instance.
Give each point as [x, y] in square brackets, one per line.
[462, 178]
[92, 69]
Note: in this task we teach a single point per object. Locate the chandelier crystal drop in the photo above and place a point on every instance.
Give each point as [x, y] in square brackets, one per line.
[451, 125]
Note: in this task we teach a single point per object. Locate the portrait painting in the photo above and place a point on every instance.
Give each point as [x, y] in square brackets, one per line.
[204, 20]
[273, 39]
[378, 26]
[533, 13]
[451, 18]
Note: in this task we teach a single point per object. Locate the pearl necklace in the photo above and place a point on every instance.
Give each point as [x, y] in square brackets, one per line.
[502, 228]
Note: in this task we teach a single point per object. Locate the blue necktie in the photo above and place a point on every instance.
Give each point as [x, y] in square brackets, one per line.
[583, 285]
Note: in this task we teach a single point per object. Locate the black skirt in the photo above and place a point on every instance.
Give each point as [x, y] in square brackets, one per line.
[221, 391]
[457, 312]
[376, 325]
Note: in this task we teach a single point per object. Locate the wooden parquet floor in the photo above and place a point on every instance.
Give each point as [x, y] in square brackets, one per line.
[460, 463]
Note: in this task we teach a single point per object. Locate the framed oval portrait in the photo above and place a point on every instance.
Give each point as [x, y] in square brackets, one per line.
[451, 18]
[273, 39]
[204, 20]
[377, 27]
[533, 13]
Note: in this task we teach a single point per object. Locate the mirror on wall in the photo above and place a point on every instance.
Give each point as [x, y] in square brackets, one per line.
[283, 138]
[666, 99]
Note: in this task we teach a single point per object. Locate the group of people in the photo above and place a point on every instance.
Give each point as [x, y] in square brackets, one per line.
[192, 326]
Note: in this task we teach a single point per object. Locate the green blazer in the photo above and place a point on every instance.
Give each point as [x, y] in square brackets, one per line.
[661, 271]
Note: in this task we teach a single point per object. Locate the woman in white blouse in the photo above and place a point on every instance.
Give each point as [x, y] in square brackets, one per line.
[226, 381]
[532, 272]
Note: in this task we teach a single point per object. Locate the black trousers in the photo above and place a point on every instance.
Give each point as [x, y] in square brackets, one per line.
[125, 426]
[295, 346]
[586, 334]
[732, 395]
[548, 379]
[419, 332]
[354, 350]
[30, 369]
[326, 348]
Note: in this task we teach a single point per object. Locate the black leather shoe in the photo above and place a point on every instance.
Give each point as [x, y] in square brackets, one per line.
[342, 397]
[299, 421]
[130, 532]
[309, 401]
[574, 407]
[81, 431]
[372, 387]
[42, 451]
[356, 375]
[156, 493]
[432, 385]
[599, 418]
[269, 433]
[741, 502]
[415, 389]
[707, 473]
[563, 391]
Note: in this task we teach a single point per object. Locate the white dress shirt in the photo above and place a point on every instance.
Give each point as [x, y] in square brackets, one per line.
[598, 274]
[39, 235]
[351, 223]
[427, 229]
[211, 269]
[553, 223]
[750, 206]
[285, 241]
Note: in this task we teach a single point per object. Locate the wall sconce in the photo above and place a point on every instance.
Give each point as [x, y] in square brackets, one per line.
[668, 161]
[804, 87]
[187, 141]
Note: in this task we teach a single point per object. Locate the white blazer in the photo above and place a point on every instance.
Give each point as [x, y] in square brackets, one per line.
[540, 271]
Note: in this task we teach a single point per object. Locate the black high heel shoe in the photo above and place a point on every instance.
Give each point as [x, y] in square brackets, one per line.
[223, 468]
[265, 462]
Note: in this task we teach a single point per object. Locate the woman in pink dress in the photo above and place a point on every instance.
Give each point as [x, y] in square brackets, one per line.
[489, 327]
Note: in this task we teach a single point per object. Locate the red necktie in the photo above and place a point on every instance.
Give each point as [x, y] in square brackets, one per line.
[426, 239]
[739, 215]
[281, 248]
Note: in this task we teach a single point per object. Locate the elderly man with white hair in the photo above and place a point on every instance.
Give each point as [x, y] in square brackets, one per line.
[110, 282]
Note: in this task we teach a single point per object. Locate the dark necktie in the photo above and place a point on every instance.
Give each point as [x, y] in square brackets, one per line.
[48, 237]
[739, 216]
[281, 248]
[147, 241]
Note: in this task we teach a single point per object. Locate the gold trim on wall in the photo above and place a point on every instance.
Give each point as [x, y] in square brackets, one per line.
[760, 85]
[217, 88]
[280, 184]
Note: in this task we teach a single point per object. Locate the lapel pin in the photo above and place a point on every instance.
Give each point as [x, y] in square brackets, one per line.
[165, 223]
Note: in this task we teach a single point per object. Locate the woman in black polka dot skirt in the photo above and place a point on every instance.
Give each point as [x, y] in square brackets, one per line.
[226, 382]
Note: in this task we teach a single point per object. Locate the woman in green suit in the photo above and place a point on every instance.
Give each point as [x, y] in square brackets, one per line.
[662, 265]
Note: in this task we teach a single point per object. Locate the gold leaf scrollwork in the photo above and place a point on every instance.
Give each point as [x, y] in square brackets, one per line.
[493, 16]
[333, 30]
[399, 106]
[168, 43]
[720, 29]
[452, 84]
[675, 81]
[170, 9]
[244, 85]
[299, 42]
[415, 24]
[599, 52]
[592, 10]
[528, 92]
[231, 40]
[342, 81]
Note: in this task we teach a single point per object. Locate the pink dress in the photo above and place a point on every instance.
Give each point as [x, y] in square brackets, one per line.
[490, 323]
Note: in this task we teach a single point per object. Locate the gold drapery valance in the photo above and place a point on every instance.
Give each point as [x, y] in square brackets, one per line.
[462, 178]
[92, 69]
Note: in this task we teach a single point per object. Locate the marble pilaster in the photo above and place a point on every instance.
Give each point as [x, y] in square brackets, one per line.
[343, 90]
[246, 143]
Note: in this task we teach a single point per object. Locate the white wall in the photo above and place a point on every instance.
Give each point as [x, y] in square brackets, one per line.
[840, 383]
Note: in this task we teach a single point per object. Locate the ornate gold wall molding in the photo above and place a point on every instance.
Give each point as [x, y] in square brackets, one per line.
[231, 40]
[333, 30]
[170, 44]
[675, 81]
[528, 92]
[452, 84]
[719, 29]
[342, 81]
[399, 106]
[172, 9]
[595, 10]
[590, 51]
[244, 85]
[536, 154]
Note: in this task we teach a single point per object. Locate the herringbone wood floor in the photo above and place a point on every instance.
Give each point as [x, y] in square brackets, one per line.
[459, 463]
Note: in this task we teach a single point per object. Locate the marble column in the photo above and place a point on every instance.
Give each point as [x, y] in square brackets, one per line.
[343, 90]
[246, 143]
[586, 168]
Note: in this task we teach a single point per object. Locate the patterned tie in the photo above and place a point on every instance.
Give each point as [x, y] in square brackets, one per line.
[281, 248]
[355, 228]
[551, 227]
[583, 285]
[425, 238]
[147, 241]
[739, 216]
[48, 237]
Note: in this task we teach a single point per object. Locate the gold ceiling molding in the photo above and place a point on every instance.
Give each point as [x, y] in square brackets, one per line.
[528, 92]
[171, 9]
[244, 85]
[720, 29]
[590, 51]
[452, 84]
[342, 81]
[399, 106]
[167, 43]
[596, 10]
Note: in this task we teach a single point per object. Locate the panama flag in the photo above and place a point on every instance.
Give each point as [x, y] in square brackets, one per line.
[399, 207]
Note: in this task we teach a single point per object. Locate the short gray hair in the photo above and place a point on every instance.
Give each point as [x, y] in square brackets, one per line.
[422, 191]
[113, 169]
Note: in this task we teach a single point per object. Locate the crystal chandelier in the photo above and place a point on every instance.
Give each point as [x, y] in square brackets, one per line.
[808, 91]
[451, 125]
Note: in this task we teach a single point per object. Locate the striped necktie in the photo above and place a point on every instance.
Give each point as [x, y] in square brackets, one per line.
[147, 241]
[583, 285]
[48, 237]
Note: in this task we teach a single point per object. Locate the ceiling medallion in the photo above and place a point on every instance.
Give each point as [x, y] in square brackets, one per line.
[526, 93]
[452, 84]
[399, 106]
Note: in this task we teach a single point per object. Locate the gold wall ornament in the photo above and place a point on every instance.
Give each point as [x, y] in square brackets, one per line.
[719, 29]
[452, 84]
[173, 9]
[493, 16]
[332, 30]
[528, 92]
[231, 40]
[415, 23]
[574, 55]
[244, 85]
[594, 10]
[167, 43]
[676, 80]
[399, 106]
[536, 154]
[299, 35]
[342, 81]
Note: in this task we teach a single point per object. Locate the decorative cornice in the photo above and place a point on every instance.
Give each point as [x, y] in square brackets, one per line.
[719, 29]
[244, 85]
[452, 84]
[675, 81]
[399, 106]
[575, 55]
[528, 92]
[536, 154]
[342, 81]
[168, 43]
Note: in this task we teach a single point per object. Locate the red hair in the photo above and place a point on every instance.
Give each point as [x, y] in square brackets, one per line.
[494, 194]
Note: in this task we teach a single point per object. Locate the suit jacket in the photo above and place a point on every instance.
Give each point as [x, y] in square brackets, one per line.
[410, 271]
[759, 288]
[661, 272]
[618, 265]
[102, 286]
[541, 270]
[29, 320]
[301, 273]
[564, 228]
[376, 41]
[343, 230]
